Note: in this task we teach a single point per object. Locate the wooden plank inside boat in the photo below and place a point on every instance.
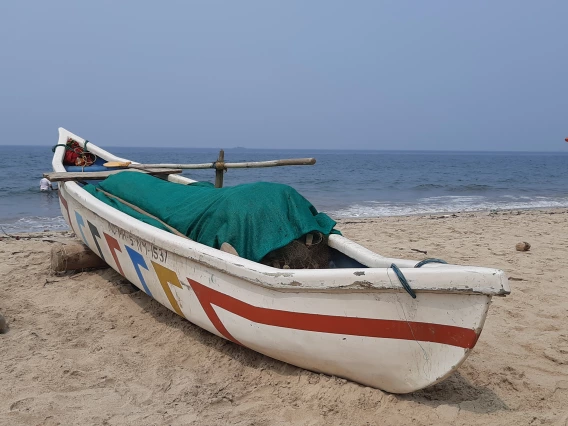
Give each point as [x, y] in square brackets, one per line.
[66, 176]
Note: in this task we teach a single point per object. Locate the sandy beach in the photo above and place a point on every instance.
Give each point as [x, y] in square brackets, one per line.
[88, 348]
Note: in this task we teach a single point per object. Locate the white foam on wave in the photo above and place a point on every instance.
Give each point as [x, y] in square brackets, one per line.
[36, 224]
[452, 199]
[437, 205]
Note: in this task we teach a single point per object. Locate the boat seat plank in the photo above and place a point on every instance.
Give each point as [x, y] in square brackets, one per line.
[67, 176]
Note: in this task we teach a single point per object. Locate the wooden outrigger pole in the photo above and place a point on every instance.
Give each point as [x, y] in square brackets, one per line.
[161, 169]
[220, 166]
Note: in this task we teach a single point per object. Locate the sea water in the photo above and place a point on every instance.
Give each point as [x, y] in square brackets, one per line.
[342, 183]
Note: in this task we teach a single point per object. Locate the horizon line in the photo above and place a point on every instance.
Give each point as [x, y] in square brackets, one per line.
[239, 148]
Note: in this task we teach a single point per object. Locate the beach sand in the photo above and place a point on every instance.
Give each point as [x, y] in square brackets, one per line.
[88, 349]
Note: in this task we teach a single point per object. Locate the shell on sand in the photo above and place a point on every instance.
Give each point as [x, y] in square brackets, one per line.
[523, 246]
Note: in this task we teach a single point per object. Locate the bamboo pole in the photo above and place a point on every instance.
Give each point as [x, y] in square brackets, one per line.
[245, 165]
[273, 163]
[65, 176]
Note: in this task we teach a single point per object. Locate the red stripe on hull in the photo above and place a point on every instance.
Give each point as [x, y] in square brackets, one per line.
[367, 327]
[64, 202]
[114, 246]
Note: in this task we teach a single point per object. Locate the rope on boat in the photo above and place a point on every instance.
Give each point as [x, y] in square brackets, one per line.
[403, 280]
[430, 260]
[85, 146]
[54, 147]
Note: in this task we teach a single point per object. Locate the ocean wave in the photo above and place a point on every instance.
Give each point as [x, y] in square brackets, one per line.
[428, 186]
[452, 199]
[470, 187]
[35, 224]
[463, 204]
[454, 188]
[19, 191]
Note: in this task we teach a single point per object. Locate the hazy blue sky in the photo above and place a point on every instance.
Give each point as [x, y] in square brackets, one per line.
[451, 75]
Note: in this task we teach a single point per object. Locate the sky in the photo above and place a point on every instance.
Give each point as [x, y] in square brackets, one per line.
[402, 75]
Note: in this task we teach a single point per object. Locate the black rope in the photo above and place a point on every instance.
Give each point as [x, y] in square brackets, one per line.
[431, 260]
[85, 146]
[403, 281]
[54, 147]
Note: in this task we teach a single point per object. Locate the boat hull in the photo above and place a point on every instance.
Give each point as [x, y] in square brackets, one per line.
[380, 338]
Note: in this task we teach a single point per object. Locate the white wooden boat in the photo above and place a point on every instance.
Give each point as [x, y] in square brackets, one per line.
[355, 321]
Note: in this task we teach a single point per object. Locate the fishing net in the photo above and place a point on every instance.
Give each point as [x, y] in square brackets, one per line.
[299, 255]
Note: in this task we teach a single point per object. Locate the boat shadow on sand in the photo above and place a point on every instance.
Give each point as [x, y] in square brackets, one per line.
[456, 391]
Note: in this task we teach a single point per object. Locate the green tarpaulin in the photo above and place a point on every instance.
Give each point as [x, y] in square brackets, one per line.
[254, 218]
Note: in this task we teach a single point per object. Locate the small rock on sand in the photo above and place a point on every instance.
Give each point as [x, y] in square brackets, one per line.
[523, 246]
[3, 325]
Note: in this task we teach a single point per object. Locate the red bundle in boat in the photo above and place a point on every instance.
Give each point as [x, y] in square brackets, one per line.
[75, 155]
